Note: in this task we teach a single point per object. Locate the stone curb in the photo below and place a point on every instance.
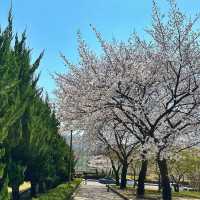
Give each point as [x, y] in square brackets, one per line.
[125, 197]
[118, 193]
[75, 191]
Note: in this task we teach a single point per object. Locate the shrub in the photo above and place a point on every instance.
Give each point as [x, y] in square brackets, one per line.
[61, 192]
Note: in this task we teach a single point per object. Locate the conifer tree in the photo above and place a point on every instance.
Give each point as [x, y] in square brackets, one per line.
[11, 108]
[17, 89]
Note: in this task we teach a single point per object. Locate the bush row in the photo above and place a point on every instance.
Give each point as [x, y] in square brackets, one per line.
[61, 192]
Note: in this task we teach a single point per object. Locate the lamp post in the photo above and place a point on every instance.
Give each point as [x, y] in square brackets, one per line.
[70, 157]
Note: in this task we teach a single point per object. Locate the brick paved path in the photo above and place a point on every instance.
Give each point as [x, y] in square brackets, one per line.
[94, 191]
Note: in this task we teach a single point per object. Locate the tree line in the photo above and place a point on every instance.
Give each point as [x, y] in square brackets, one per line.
[142, 95]
[30, 147]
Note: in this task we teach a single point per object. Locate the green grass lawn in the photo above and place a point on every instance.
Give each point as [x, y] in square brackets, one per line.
[129, 191]
[189, 194]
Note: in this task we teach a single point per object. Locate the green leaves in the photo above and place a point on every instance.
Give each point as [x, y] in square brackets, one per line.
[16, 173]
[17, 90]
[30, 146]
[9, 112]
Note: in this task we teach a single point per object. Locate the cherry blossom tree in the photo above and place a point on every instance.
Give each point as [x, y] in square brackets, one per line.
[100, 89]
[117, 140]
[151, 88]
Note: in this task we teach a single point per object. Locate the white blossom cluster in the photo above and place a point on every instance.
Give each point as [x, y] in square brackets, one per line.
[147, 91]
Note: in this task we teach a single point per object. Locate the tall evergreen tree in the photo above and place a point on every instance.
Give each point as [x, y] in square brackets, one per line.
[30, 146]
[38, 147]
[17, 89]
[18, 136]
[11, 108]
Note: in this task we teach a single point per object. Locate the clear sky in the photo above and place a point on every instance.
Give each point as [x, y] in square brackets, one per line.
[52, 25]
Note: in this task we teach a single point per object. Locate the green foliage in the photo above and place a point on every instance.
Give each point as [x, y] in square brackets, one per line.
[178, 168]
[60, 157]
[17, 89]
[4, 192]
[11, 108]
[15, 173]
[186, 168]
[47, 152]
[192, 157]
[30, 146]
[37, 151]
[62, 192]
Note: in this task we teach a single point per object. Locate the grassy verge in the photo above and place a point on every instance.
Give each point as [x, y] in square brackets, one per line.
[61, 192]
[190, 194]
[186, 194]
[129, 191]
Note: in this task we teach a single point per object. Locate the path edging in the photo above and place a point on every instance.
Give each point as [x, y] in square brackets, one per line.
[126, 198]
[75, 191]
[118, 193]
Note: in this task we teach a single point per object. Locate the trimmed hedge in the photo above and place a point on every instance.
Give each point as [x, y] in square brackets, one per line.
[61, 192]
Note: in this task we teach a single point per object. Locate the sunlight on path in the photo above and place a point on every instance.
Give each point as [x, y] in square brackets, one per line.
[94, 190]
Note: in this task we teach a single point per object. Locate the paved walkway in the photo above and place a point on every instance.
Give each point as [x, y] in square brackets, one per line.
[94, 191]
[97, 191]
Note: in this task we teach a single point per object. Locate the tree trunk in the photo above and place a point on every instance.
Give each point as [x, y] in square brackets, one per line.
[166, 189]
[141, 179]
[116, 171]
[123, 175]
[41, 187]
[15, 192]
[134, 178]
[117, 177]
[176, 187]
[33, 189]
[159, 182]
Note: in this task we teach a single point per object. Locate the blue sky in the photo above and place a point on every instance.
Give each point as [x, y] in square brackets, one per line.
[52, 25]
